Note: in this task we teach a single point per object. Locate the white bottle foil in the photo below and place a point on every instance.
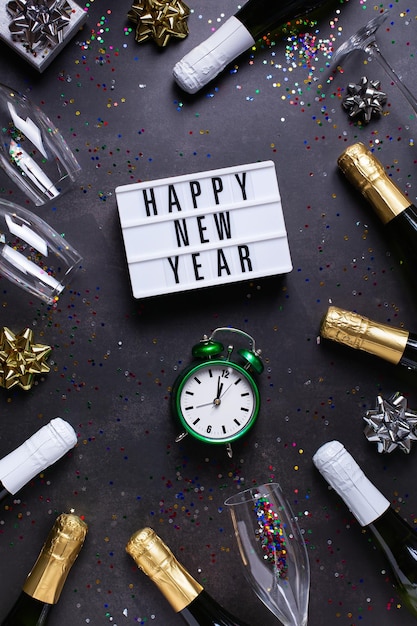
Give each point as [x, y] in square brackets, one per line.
[205, 61]
[342, 473]
[37, 453]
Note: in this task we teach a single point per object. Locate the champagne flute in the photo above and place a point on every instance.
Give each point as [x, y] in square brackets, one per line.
[33, 255]
[273, 551]
[33, 152]
[365, 39]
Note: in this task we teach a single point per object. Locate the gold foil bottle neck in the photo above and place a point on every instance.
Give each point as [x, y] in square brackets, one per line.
[359, 332]
[61, 548]
[156, 560]
[367, 174]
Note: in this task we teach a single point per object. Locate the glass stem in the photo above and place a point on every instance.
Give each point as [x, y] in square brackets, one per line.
[373, 49]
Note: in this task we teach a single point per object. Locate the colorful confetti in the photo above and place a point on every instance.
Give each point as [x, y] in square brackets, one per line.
[271, 535]
[114, 360]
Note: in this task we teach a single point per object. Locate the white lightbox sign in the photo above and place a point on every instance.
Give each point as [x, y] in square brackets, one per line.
[199, 230]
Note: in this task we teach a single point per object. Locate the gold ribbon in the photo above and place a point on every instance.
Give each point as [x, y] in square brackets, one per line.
[21, 359]
[159, 20]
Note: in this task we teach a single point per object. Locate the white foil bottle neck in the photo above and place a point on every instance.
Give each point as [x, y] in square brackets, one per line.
[342, 473]
[37, 453]
[205, 61]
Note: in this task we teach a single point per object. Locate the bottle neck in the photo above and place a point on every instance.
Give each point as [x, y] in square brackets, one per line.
[156, 560]
[409, 356]
[48, 575]
[27, 611]
[386, 199]
[182, 591]
[3, 492]
[359, 332]
[42, 449]
[260, 16]
[402, 230]
[346, 477]
[390, 525]
[367, 174]
[176, 584]
[408, 217]
[237, 34]
[204, 611]
[398, 541]
[46, 580]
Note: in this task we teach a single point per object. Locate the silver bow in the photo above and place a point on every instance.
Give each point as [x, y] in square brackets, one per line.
[391, 424]
[364, 99]
[38, 21]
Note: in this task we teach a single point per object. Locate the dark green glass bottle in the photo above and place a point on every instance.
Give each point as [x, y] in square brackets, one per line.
[395, 345]
[44, 583]
[237, 34]
[395, 211]
[186, 596]
[261, 16]
[27, 611]
[393, 536]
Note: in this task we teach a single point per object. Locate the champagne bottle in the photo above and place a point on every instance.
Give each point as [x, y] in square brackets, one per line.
[44, 583]
[186, 596]
[393, 535]
[396, 345]
[254, 19]
[42, 449]
[393, 208]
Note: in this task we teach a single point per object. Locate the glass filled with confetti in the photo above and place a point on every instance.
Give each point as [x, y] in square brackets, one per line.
[273, 551]
[33, 152]
[33, 255]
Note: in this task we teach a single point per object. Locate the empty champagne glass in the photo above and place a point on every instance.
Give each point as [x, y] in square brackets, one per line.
[33, 255]
[32, 150]
[365, 39]
[273, 551]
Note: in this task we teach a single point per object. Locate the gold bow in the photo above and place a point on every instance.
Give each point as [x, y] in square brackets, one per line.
[159, 20]
[21, 359]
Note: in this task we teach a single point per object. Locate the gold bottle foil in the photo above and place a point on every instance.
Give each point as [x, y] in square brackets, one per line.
[61, 548]
[361, 333]
[367, 174]
[156, 560]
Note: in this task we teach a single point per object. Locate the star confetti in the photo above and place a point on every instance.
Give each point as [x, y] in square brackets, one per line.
[21, 359]
[391, 425]
[159, 20]
[364, 100]
[39, 21]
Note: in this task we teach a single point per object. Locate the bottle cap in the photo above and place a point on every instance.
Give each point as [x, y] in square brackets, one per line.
[342, 473]
[37, 453]
[156, 560]
[207, 60]
[62, 546]
[358, 332]
[367, 174]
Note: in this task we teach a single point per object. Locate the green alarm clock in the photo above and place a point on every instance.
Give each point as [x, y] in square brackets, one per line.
[216, 399]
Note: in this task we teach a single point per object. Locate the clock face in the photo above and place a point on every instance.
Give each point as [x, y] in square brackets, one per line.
[217, 401]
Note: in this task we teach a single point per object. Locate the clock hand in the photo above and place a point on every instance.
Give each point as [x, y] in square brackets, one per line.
[226, 390]
[199, 406]
[216, 400]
